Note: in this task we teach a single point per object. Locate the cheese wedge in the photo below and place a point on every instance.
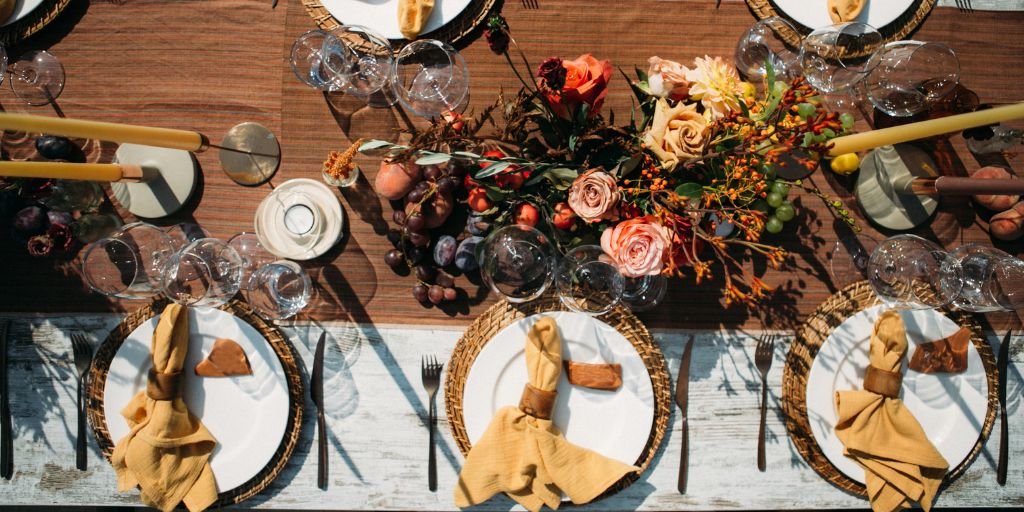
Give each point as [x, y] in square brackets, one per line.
[226, 359]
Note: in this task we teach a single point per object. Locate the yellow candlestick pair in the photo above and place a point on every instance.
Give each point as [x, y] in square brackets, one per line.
[68, 171]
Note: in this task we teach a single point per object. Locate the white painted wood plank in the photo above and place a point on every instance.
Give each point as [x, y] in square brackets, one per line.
[378, 458]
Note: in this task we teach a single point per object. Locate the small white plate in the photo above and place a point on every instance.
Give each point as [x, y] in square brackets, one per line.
[382, 15]
[813, 14]
[21, 10]
[615, 424]
[246, 414]
[318, 210]
[951, 408]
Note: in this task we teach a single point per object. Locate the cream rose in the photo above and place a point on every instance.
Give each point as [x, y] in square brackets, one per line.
[594, 195]
[637, 246]
[676, 132]
[667, 79]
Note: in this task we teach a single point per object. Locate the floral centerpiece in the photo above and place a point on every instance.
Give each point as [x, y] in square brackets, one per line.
[688, 187]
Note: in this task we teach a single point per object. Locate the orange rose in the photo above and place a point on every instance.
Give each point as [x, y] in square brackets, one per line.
[586, 81]
[637, 246]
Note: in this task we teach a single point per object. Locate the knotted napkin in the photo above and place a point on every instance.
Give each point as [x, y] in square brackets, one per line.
[900, 464]
[523, 454]
[166, 452]
[412, 16]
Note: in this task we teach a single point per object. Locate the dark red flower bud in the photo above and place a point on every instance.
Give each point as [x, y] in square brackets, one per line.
[496, 34]
[61, 236]
[552, 74]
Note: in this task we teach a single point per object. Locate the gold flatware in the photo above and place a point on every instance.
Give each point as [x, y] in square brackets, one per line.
[316, 392]
[430, 371]
[82, 350]
[682, 396]
[6, 429]
[1004, 433]
[763, 356]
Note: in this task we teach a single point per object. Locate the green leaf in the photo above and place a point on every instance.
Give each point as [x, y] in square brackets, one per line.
[433, 159]
[563, 173]
[769, 72]
[535, 178]
[373, 144]
[465, 154]
[690, 189]
[494, 193]
[572, 142]
[492, 169]
[640, 74]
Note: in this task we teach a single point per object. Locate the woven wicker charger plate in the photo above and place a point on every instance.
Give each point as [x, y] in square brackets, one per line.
[32, 22]
[829, 315]
[900, 27]
[503, 314]
[106, 352]
[453, 32]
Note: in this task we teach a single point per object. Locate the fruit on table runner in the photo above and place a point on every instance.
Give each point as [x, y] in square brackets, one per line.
[992, 202]
[395, 179]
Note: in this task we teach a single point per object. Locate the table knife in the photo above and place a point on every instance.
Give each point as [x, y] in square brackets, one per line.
[1002, 364]
[6, 430]
[316, 392]
[682, 391]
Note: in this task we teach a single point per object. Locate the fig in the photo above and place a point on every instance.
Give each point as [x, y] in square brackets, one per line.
[395, 180]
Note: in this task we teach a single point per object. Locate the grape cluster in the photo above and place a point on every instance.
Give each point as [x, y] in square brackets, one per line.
[779, 209]
[418, 247]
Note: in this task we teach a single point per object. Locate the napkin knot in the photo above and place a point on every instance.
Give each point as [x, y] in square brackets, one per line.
[163, 386]
[883, 382]
[536, 402]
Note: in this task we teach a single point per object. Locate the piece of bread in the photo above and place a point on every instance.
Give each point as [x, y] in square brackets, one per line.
[226, 359]
[845, 10]
[412, 16]
[7, 9]
[948, 355]
[593, 375]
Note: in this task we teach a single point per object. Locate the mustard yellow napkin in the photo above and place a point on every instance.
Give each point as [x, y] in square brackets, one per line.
[900, 464]
[167, 450]
[412, 15]
[527, 457]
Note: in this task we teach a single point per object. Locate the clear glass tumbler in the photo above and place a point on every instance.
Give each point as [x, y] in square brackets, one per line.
[206, 272]
[129, 263]
[587, 281]
[279, 289]
[993, 280]
[517, 263]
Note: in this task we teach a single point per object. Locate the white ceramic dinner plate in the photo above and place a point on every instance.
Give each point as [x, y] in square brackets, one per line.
[246, 414]
[21, 9]
[615, 424]
[814, 13]
[382, 15]
[951, 408]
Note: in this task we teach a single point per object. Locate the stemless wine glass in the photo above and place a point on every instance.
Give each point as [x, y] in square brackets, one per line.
[128, 263]
[278, 290]
[517, 262]
[320, 61]
[37, 77]
[431, 78]
[909, 272]
[836, 58]
[587, 281]
[761, 44]
[907, 77]
[645, 292]
[206, 272]
[368, 70]
[993, 280]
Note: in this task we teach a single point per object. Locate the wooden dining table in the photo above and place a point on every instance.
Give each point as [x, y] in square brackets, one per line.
[207, 66]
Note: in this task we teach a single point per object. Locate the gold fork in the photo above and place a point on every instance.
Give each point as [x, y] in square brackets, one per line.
[763, 356]
[430, 371]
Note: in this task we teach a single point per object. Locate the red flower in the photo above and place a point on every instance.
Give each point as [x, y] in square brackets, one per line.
[586, 81]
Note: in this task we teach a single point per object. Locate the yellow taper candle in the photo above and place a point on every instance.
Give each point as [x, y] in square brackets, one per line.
[923, 129]
[113, 132]
[70, 171]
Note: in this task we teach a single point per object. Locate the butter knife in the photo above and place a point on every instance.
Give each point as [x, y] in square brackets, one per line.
[316, 391]
[6, 430]
[1004, 434]
[682, 395]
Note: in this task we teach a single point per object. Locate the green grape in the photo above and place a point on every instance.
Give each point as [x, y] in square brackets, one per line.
[760, 205]
[805, 110]
[847, 120]
[785, 211]
[768, 171]
[828, 132]
[774, 199]
[774, 225]
[779, 87]
[780, 187]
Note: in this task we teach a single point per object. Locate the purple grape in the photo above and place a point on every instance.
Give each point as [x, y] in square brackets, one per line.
[435, 294]
[465, 256]
[395, 237]
[450, 294]
[444, 250]
[398, 217]
[419, 292]
[457, 170]
[415, 255]
[394, 258]
[30, 220]
[419, 239]
[426, 273]
[431, 172]
[446, 185]
[415, 196]
[415, 223]
[445, 280]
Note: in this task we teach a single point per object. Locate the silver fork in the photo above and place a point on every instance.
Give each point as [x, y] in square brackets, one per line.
[763, 361]
[964, 6]
[82, 350]
[531, 4]
[431, 372]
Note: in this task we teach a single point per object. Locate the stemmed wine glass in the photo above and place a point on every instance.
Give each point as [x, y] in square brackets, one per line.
[431, 78]
[836, 58]
[206, 272]
[37, 77]
[909, 272]
[276, 288]
[907, 77]
[993, 280]
[587, 281]
[320, 61]
[517, 262]
[367, 72]
[761, 44]
[129, 263]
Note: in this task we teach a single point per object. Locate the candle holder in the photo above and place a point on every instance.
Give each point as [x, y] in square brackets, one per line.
[249, 154]
[168, 180]
[884, 187]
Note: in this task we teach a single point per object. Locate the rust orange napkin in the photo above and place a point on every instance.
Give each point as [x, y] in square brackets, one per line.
[524, 455]
[900, 464]
[166, 452]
